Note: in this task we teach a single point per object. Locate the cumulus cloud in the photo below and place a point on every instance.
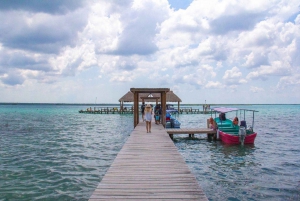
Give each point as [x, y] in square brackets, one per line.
[140, 27]
[53, 6]
[256, 89]
[255, 59]
[125, 76]
[12, 79]
[238, 22]
[214, 85]
[208, 44]
[23, 60]
[40, 32]
[277, 68]
[289, 81]
[233, 77]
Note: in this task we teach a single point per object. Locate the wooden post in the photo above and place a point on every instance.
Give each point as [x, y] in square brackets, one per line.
[136, 108]
[163, 107]
[162, 91]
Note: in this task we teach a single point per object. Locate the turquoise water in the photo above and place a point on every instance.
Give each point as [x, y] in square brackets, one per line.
[52, 152]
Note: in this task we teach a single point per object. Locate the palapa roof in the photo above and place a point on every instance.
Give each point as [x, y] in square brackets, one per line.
[128, 97]
[171, 97]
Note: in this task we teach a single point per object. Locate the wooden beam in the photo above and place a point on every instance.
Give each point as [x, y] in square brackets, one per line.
[163, 107]
[136, 108]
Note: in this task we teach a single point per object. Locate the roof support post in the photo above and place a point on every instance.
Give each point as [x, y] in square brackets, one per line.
[137, 91]
[163, 96]
[136, 108]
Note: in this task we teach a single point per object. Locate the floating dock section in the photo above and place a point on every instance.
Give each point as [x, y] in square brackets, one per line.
[148, 167]
[192, 131]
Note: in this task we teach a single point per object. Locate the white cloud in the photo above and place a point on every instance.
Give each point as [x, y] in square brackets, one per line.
[256, 89]
[233, 77]
[289, 81]
[140, 27]
[208, 45]
[125, 76]
[297, 20]
[277, 68]
[255, 59]
[214, 85]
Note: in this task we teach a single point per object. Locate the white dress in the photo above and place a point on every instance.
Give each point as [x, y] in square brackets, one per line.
[148, 116]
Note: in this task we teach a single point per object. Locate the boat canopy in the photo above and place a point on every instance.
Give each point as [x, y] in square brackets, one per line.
[224, 109]
[172, 111]
[229, 109]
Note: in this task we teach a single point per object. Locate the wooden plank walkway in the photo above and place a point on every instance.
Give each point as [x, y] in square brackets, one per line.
[148, 167]
[191, 131]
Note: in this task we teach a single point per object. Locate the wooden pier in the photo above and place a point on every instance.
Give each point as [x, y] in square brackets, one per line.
[130, 110]
[192, 131]
[107, 110]
[148, 167]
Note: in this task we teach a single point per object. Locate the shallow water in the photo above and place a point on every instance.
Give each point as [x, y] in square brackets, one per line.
[52, 152]
[267, 170]
[55, 153]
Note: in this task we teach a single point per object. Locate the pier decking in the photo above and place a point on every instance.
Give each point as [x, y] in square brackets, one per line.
[191, 131]
[130, 110]
[148, 167]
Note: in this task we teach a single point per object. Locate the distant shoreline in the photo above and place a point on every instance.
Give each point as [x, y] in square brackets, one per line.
[114, 104]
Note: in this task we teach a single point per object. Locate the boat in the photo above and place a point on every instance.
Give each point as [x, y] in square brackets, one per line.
[230, 131]
[171, 121]
[171, 109]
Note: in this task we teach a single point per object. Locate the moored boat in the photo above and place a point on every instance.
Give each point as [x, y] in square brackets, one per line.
[171, 121]
[230, 131]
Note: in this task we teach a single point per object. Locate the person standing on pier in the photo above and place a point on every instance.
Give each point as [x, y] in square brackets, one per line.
[212, 124]
[143, 109]
[148, 117]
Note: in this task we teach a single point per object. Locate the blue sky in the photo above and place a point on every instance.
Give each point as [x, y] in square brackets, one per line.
[229, 51]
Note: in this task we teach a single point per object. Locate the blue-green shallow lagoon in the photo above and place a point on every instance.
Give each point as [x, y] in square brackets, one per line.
[52, 152]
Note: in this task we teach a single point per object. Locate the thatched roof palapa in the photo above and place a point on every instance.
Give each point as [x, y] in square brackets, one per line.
[171, 97]
[128, 97]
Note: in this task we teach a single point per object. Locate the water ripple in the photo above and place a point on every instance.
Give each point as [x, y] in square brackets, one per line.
[52, 152]
[56, 153]
[268, 170]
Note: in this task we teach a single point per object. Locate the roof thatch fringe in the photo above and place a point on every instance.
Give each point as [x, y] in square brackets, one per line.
[171, 97]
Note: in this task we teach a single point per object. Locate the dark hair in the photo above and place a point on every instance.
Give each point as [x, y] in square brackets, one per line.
[222, 116]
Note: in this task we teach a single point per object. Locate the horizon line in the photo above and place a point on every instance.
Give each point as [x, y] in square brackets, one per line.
[175, 103]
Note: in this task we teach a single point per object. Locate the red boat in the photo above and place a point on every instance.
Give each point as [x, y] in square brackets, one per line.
[234, 139]
[230, 131]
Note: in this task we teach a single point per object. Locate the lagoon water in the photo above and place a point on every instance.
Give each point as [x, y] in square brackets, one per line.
[52, 152]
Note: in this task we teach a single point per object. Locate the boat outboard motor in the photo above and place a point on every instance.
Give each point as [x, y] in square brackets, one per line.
[242, 134]
[250, 128]
[172, 122]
